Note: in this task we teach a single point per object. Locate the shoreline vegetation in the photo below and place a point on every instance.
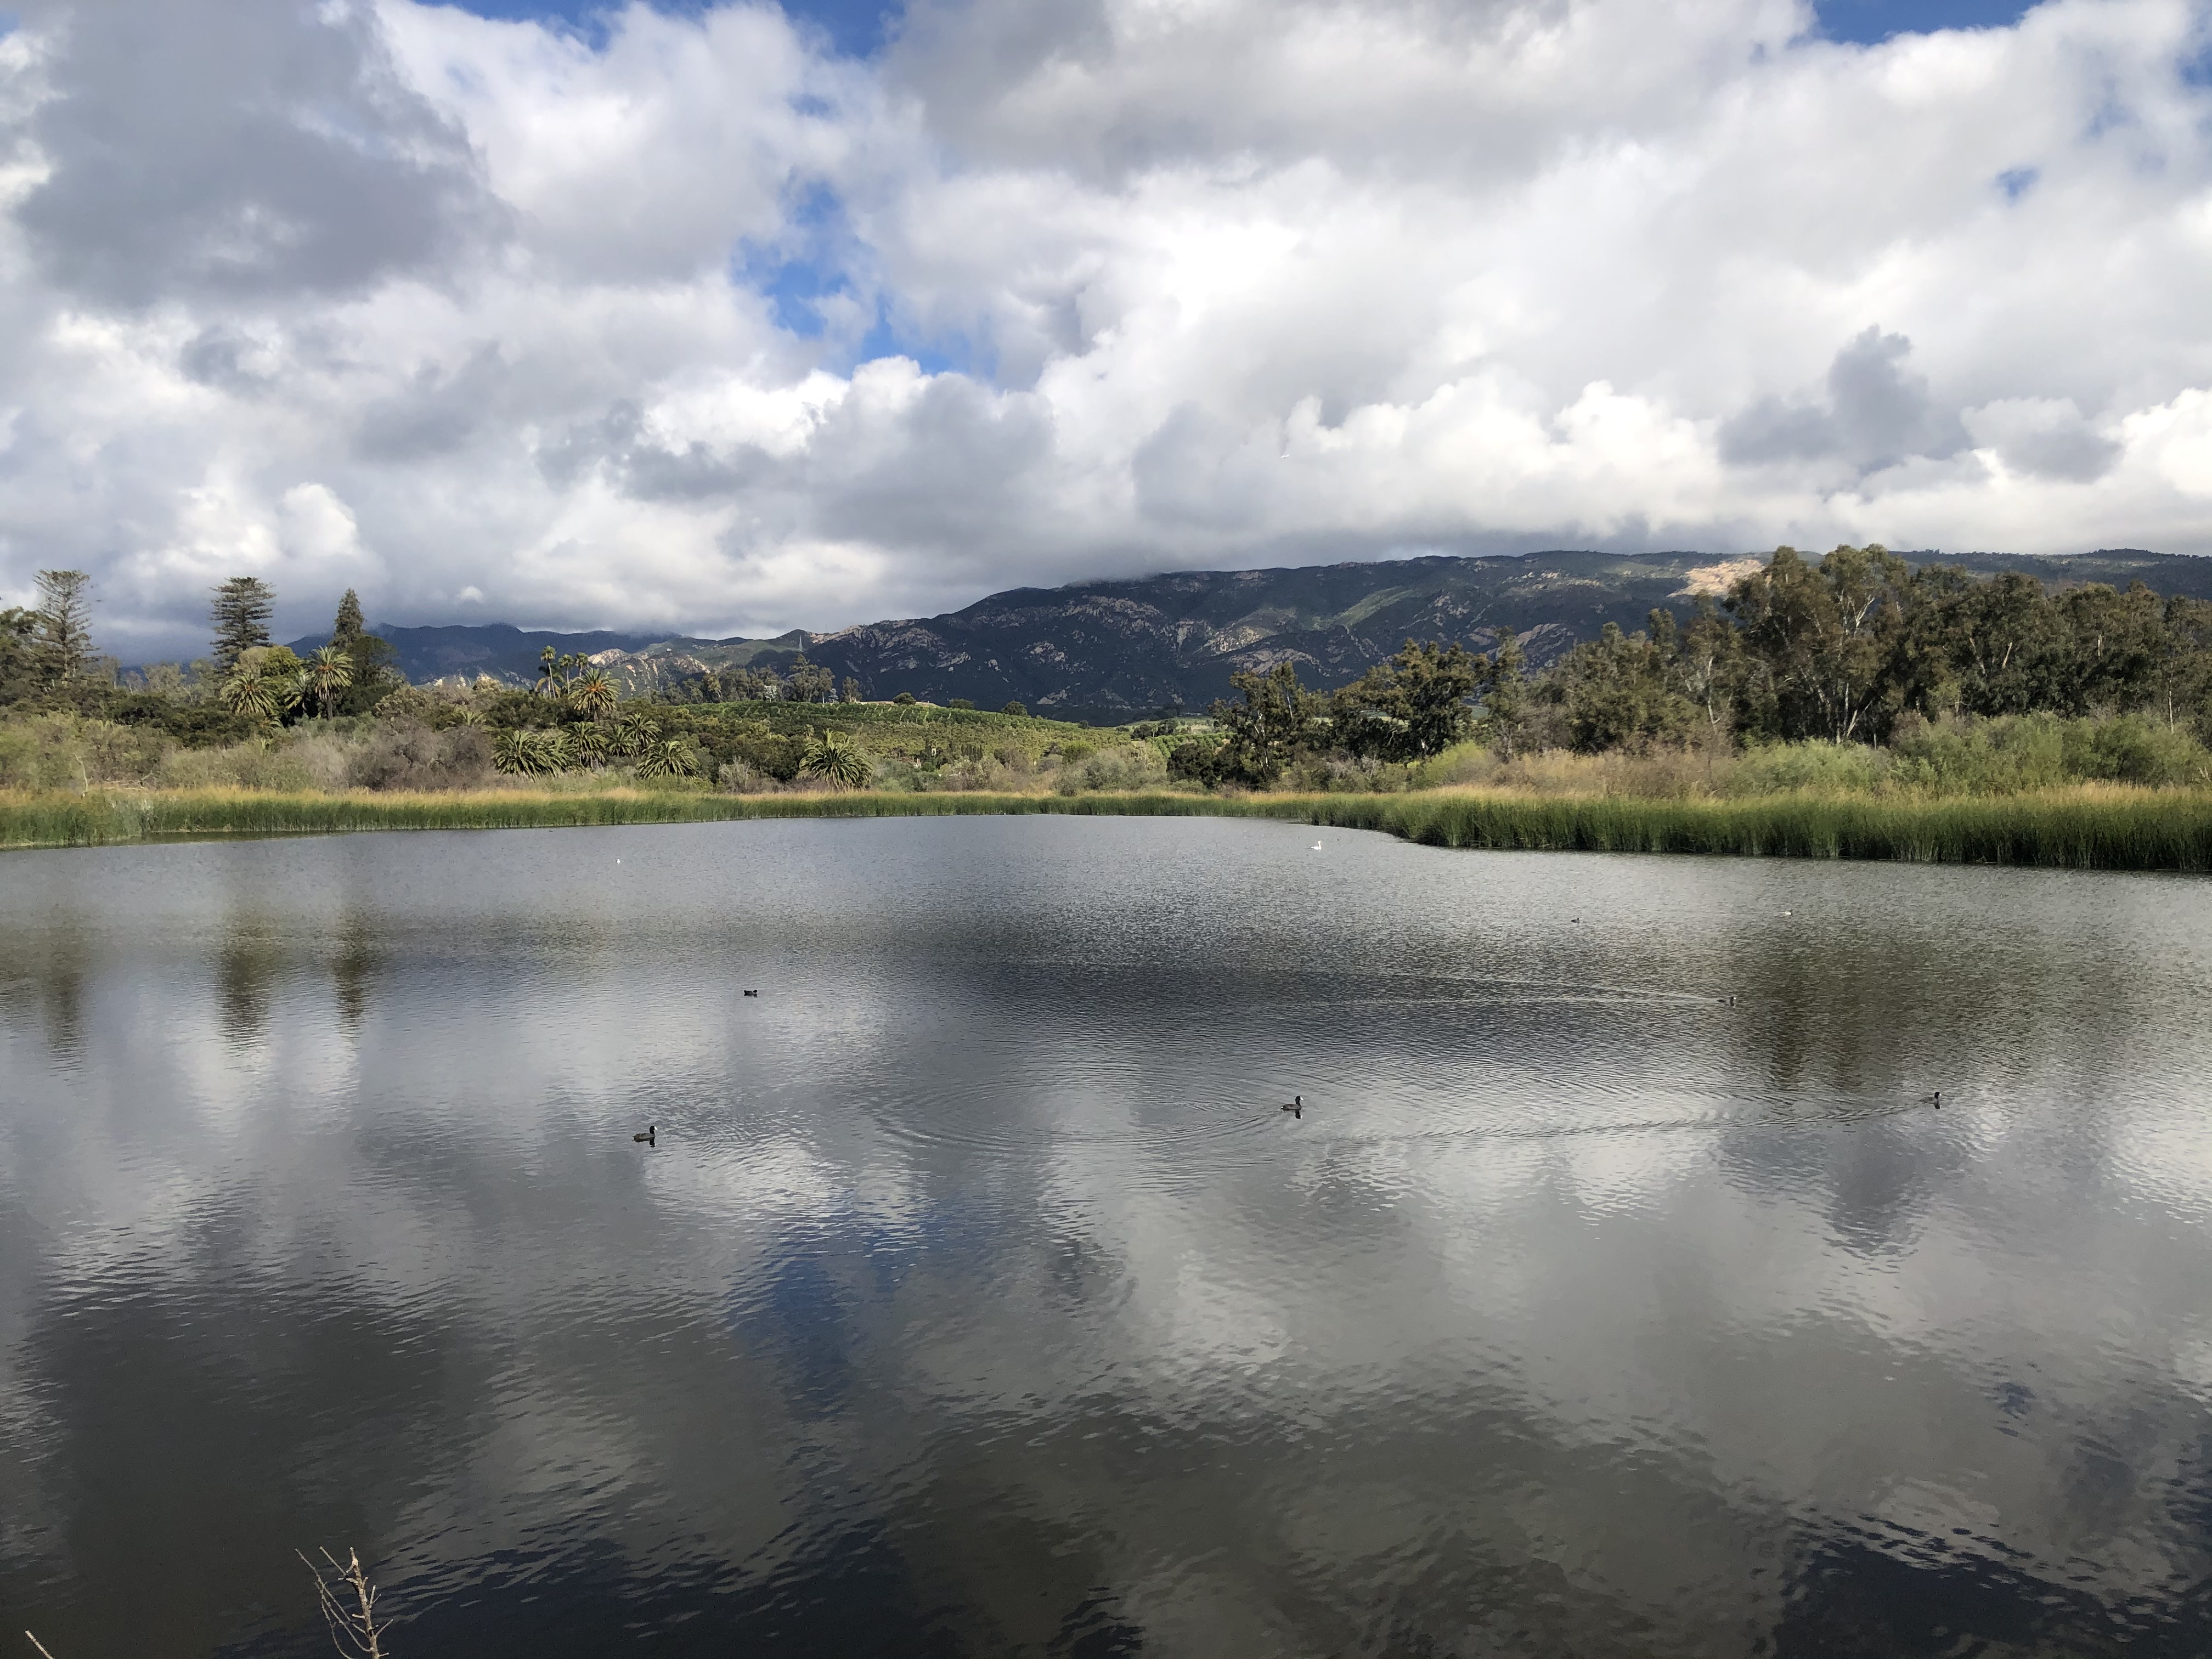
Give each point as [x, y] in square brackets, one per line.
[1854, 707]
[2081, 827]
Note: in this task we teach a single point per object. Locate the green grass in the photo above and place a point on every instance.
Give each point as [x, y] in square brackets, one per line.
[2081, 828]
[122, 816]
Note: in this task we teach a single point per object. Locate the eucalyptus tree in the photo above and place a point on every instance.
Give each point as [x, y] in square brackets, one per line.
[1615, 692]
[1278, 720]
[810, 682]
[1505, 694]
[1817, 640]
[1412, 706]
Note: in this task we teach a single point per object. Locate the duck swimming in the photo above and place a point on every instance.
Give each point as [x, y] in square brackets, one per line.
[1297, 1107]
[648, 1134]
[752, 993]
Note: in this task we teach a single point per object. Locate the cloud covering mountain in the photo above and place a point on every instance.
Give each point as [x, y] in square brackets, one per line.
[694, 319]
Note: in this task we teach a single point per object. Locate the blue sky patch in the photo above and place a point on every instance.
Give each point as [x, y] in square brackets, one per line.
[820, 259]
[811, 264]
[858, 27]
[855, 28]
[950, 355]
[2016, 182]
[1872, 21]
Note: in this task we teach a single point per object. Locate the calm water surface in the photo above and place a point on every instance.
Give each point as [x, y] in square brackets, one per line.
[977, 1299]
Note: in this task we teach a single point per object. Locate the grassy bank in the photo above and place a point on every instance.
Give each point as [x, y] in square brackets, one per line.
[103, 818]
[2081, 828]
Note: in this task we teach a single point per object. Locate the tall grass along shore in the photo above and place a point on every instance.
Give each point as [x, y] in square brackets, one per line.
[2083, 827]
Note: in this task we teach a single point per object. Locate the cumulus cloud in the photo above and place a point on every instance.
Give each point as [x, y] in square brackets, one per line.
[691, 321]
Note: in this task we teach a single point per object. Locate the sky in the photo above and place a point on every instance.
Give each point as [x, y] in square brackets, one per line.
[727, 319]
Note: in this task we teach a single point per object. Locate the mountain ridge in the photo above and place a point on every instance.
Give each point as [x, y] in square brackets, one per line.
[1109, 650]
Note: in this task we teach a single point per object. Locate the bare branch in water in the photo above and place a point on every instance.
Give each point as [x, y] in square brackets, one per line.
[348, 1604]
[37, 1643]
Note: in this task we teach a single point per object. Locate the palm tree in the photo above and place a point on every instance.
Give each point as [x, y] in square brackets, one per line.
[591, 742]
[636, 735]
[328, 672]
[250, 696]
[668, 757]
[534, 754]
[835, 755]
[592, 694]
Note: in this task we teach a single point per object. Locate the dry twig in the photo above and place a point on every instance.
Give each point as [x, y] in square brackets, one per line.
[348, 1604]
[37, 1643]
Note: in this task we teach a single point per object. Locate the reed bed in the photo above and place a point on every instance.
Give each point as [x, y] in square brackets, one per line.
[2087, 827]
[97, 818]
[2081, 828]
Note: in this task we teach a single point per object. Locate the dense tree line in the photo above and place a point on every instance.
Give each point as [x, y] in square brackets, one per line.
[805, 681]
[1846, 650]
[246, 683]
[1854, 648]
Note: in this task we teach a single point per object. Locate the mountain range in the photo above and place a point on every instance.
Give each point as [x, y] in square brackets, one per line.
[1110, 651]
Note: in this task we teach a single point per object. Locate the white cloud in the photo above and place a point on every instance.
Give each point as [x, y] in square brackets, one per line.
[701, 326]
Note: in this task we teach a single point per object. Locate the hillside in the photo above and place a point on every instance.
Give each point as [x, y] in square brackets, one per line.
[1108, 651]
[499, 649]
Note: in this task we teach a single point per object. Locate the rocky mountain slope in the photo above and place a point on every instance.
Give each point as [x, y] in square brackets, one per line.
[1112, 650]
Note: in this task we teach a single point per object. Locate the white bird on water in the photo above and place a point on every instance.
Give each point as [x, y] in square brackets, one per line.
[1316, 846]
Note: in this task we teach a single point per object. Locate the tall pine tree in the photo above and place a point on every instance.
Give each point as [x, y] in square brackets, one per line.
[348, 626]
[375, 664]
[243, 606]
[64, 615]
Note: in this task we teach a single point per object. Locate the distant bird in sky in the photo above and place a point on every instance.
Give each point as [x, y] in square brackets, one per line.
[648, 1135]
[1298, 1106]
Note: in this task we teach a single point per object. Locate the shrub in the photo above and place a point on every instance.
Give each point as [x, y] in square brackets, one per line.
[241, 766]
[1821, 768]
[2131, 750]
[437, 707]
[410, 756]
[1015, 709]
[1971, 757]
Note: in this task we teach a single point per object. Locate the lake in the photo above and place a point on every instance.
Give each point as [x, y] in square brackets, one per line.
[977, 1299]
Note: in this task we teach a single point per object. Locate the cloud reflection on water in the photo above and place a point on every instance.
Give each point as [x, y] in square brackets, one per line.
[977, 1286]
